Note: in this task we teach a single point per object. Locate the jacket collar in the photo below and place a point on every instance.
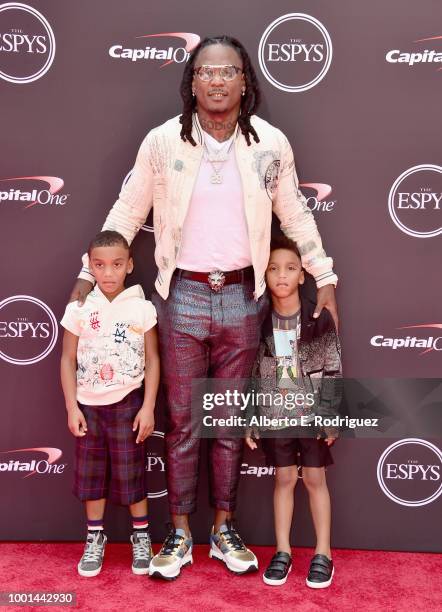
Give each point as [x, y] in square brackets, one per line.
[308, 324]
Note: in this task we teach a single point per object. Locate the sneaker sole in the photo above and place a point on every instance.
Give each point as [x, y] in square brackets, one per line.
[320, 585]
[140, 571]
[156, 573]
[216, 554]
[275, 582]
[89, 573]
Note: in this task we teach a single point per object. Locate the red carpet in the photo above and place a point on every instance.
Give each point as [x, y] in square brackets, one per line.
[363, 579]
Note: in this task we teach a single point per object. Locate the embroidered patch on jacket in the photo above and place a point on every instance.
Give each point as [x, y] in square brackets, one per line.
[271, 177]
[266, 165]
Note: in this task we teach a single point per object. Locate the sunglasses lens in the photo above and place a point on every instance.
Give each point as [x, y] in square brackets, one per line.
[228, 73]
[207, 73]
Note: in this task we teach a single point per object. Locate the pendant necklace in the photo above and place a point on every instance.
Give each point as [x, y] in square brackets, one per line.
[217, 157]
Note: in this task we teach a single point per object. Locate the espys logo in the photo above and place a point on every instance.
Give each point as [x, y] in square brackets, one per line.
[428, 344]
[31, 465]
[409, 472]
[317, 201]
[148, 226]
[28, 330]
[177, 54]
[424, 56]
[155, 465]
[27, 43]
[27, 190]
[295, 52]
[414, 201]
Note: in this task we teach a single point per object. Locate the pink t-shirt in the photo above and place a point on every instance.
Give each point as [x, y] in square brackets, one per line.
[215, 235]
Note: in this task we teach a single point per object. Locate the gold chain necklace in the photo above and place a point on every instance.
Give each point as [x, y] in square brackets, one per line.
[220, 157]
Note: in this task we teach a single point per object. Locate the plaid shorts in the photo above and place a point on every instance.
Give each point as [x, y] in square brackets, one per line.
[108, 462]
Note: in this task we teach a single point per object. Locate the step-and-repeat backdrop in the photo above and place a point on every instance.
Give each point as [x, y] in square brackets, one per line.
[356, 88]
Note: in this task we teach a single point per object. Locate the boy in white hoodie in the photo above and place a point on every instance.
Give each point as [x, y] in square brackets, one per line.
[109, 348]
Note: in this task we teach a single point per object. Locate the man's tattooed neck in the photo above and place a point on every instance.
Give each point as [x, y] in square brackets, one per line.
[210, 125]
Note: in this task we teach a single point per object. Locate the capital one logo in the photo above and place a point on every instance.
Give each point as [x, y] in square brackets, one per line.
[155, 465]
[28, 330]
[422, 56]
[27, 43]
[28, 191]
[409, 472]
[316, 195]
[261, 470]
[432, 342]
[415, 201]
[168, 55]
[30, 461]
[295, 52]
[257, 470]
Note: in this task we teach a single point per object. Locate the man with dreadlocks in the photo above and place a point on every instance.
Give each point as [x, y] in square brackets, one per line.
[213, 175]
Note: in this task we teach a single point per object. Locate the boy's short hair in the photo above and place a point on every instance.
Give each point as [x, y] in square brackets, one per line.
[282, 242]
[108, 238]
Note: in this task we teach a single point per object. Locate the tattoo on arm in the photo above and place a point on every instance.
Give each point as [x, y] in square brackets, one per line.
[307, 247]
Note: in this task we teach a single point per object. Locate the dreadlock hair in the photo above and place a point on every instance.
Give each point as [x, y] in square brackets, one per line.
[249, 102]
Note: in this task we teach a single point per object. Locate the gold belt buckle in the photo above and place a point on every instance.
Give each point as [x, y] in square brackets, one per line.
[216, 280]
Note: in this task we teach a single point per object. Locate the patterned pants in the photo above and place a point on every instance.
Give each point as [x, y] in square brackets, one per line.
[203, 333]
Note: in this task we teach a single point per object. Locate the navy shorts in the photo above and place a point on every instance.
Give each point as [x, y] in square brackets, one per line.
[108, 462]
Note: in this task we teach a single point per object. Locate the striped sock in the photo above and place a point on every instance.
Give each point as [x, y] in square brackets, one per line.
[140, 522]
[95, 525]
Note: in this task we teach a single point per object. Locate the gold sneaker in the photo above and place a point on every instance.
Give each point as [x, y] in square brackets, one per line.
[227, 546]
[175, 553]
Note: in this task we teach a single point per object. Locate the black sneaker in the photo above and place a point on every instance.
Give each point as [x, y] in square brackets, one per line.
[278, 570]
[321, 572]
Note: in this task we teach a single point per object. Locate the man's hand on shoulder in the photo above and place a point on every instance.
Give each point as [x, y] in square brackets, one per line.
[327, 299]
[80, 291]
